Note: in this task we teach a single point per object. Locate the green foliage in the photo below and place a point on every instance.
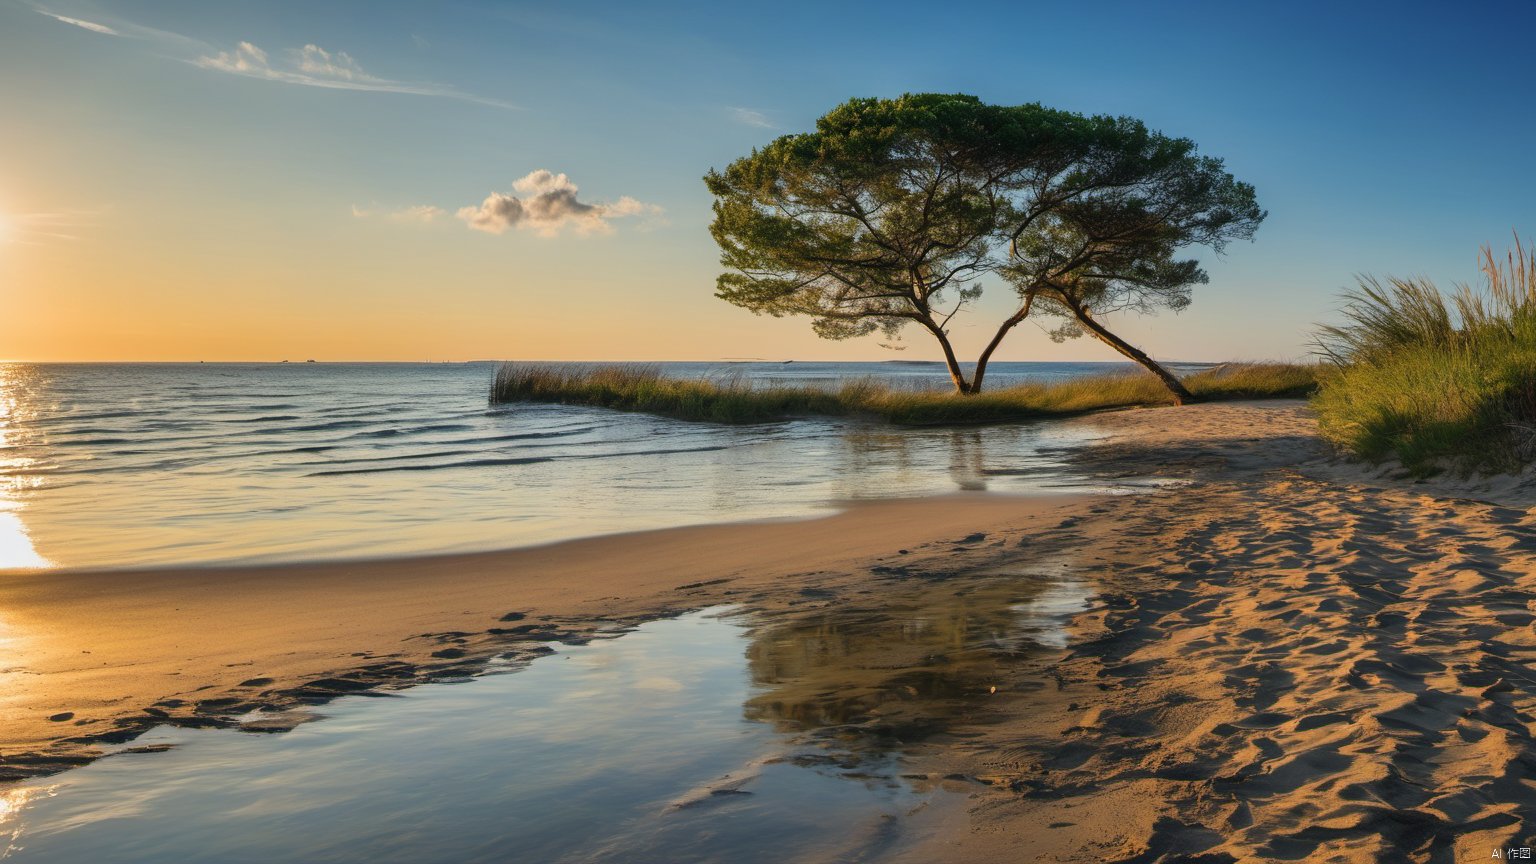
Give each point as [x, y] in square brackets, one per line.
[646, 389]
[893, 209]
[1434, 381]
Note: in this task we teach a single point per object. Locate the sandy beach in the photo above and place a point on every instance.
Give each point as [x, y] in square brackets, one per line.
[1285, 657]
[1292, 658]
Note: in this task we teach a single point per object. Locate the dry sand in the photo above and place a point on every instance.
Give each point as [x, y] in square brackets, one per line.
[1290, 659]
[1286, 658]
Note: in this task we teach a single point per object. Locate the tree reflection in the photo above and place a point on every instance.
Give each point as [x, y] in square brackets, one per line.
[906, 667]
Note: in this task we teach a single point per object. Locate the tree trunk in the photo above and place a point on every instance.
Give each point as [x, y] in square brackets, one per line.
[1174, 385]
[955, 373]
[986, 355]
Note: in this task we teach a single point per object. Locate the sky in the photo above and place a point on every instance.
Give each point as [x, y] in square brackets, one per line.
[389, 180]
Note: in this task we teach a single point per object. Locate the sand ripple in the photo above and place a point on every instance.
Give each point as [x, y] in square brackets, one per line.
[1286, 665]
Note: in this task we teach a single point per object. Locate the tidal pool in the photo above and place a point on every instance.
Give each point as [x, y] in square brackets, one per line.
[713, 736]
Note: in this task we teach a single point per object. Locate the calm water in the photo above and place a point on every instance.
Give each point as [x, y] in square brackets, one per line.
[695, 739]
[145, 464]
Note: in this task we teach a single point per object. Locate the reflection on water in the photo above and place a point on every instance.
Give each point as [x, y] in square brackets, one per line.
[911, 664]
[682, 741]
[615, 751]
[12, 802]
[148, 464]
[16, 550]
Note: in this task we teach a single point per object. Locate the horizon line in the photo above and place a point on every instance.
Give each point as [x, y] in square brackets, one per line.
[316, 361]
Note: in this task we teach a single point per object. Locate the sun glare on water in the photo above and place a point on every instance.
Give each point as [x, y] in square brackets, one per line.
[16, 549]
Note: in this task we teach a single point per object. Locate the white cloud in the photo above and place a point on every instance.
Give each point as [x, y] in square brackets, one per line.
[310, 66]
[748, 117]
[419, 213]
[314, 60]
[172, 43]
[547, 205]
[313, 66]
[88, 25]
[246, 59]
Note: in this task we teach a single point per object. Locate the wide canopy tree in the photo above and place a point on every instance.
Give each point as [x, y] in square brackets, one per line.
[892, 210]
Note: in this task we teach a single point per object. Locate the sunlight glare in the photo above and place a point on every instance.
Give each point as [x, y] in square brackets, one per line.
[16, 549]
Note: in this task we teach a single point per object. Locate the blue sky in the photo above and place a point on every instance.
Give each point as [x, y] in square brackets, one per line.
[181, 197]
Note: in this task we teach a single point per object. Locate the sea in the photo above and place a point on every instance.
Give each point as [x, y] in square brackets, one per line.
[134, 465]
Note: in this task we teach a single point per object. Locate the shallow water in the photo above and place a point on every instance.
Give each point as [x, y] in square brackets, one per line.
[700, 738]
[146, 464]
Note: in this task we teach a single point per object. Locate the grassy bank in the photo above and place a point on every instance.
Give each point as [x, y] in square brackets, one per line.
[1436, 381]
[646, 389]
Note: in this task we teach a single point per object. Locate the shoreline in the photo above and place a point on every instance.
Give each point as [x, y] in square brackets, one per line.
[832, 508]
[120, 651]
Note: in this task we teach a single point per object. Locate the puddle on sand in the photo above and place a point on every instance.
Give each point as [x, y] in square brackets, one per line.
[698, 738]
[910, 664]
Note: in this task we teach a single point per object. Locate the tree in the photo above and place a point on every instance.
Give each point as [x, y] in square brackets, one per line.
[889, 213]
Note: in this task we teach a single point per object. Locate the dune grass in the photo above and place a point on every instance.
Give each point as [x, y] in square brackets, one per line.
[630, 387]
[1438, 382]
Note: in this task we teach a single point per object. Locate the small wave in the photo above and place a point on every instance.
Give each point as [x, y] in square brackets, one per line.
[265, 418]
[331, 426]
[90, 442]
[519, 460]
[528, 436]
[50, 419]
[416, 430]
[468, 463]
[69, 436]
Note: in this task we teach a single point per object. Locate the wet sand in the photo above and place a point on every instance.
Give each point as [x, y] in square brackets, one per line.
[98, 657]
[1286, 658]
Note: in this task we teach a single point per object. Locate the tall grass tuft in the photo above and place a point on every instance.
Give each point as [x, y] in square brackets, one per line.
[644, 388]
[1437, 381]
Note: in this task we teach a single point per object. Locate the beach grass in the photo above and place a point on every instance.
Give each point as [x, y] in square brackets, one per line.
[645, 388]
[1433, 380]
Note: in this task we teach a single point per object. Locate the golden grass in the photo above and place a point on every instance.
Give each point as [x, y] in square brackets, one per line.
[630, 387]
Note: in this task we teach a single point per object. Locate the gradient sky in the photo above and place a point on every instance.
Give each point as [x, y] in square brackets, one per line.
[188, 180]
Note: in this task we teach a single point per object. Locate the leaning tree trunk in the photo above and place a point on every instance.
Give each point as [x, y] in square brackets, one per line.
[956, 374]
[986, 354]
[1174, 385]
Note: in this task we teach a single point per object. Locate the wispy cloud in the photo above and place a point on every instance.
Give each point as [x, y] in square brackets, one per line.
[546, 203]
[172, 43]
[309, 66]
[314, 60]
[37, 229]
[313, 66]
[78, 22]
[749, 117]
[419, 214]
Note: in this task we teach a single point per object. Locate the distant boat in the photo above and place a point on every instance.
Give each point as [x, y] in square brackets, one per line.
[309, 361]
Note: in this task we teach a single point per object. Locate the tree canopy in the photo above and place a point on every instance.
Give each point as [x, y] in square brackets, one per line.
[891, 211]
